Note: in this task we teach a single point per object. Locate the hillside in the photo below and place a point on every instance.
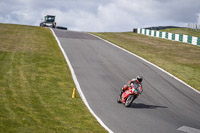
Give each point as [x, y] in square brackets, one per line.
[36, 85]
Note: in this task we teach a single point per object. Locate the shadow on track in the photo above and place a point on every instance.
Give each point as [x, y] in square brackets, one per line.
[145, 106]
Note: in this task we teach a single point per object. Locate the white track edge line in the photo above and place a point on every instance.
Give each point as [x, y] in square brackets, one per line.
[149, 63]
[78, 86]
[188, 129]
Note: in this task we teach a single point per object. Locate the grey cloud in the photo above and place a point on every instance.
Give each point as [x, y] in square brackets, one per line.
[101, 15]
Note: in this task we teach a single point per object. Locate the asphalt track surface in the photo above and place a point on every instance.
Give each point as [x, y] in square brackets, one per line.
[102, 69]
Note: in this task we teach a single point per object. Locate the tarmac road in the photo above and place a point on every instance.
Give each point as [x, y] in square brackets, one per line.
[166, 105]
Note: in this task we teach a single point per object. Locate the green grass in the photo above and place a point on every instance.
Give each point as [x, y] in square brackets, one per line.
[180, 59]
[36, 85]
[184, 31]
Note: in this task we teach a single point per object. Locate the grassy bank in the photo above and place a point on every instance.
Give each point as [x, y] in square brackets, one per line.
[182, 60]
[36, 85]
[184, 31]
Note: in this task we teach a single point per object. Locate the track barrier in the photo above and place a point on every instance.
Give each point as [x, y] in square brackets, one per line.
[170, 36]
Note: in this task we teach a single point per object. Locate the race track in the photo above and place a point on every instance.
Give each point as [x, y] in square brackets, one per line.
[166, 105]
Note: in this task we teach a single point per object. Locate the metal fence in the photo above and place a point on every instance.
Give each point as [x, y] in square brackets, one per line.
[194, 26]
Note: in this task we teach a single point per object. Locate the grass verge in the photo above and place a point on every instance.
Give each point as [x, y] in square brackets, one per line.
[180, 59]
[36, 85]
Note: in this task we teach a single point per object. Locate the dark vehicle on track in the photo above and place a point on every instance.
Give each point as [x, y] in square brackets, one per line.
[49, 21]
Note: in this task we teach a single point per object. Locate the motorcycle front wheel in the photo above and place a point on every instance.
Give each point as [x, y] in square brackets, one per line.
[129, 100]
[119, 99]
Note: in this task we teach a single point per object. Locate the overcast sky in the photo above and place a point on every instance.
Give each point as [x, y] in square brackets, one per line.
[101, 15]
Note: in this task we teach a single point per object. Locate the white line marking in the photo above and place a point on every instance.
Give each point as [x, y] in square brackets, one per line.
[78, 86]
[149, 63]
[188, 129]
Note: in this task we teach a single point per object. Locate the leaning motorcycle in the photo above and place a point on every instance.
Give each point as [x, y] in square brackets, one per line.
[128, 96]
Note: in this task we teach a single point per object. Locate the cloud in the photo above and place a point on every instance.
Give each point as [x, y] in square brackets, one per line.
[104, 15]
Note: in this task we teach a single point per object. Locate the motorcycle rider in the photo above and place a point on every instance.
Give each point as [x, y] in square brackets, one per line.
[136, 83]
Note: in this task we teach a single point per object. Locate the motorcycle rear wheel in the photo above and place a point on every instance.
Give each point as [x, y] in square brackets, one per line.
[129, 100]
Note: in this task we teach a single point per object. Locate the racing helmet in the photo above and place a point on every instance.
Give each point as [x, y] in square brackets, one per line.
[139, 78]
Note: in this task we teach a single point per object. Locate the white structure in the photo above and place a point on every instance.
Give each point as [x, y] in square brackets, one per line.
[195, 26]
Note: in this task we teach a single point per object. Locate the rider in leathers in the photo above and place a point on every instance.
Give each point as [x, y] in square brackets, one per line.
[136, 83]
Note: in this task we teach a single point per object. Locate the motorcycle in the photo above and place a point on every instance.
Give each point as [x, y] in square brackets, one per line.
[128, 96]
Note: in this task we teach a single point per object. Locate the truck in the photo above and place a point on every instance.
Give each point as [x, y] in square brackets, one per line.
[49, 21]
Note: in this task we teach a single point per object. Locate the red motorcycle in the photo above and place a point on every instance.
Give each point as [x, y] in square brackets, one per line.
[129, 95]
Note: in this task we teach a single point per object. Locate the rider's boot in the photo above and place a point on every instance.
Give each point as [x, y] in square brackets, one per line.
[122, 91]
